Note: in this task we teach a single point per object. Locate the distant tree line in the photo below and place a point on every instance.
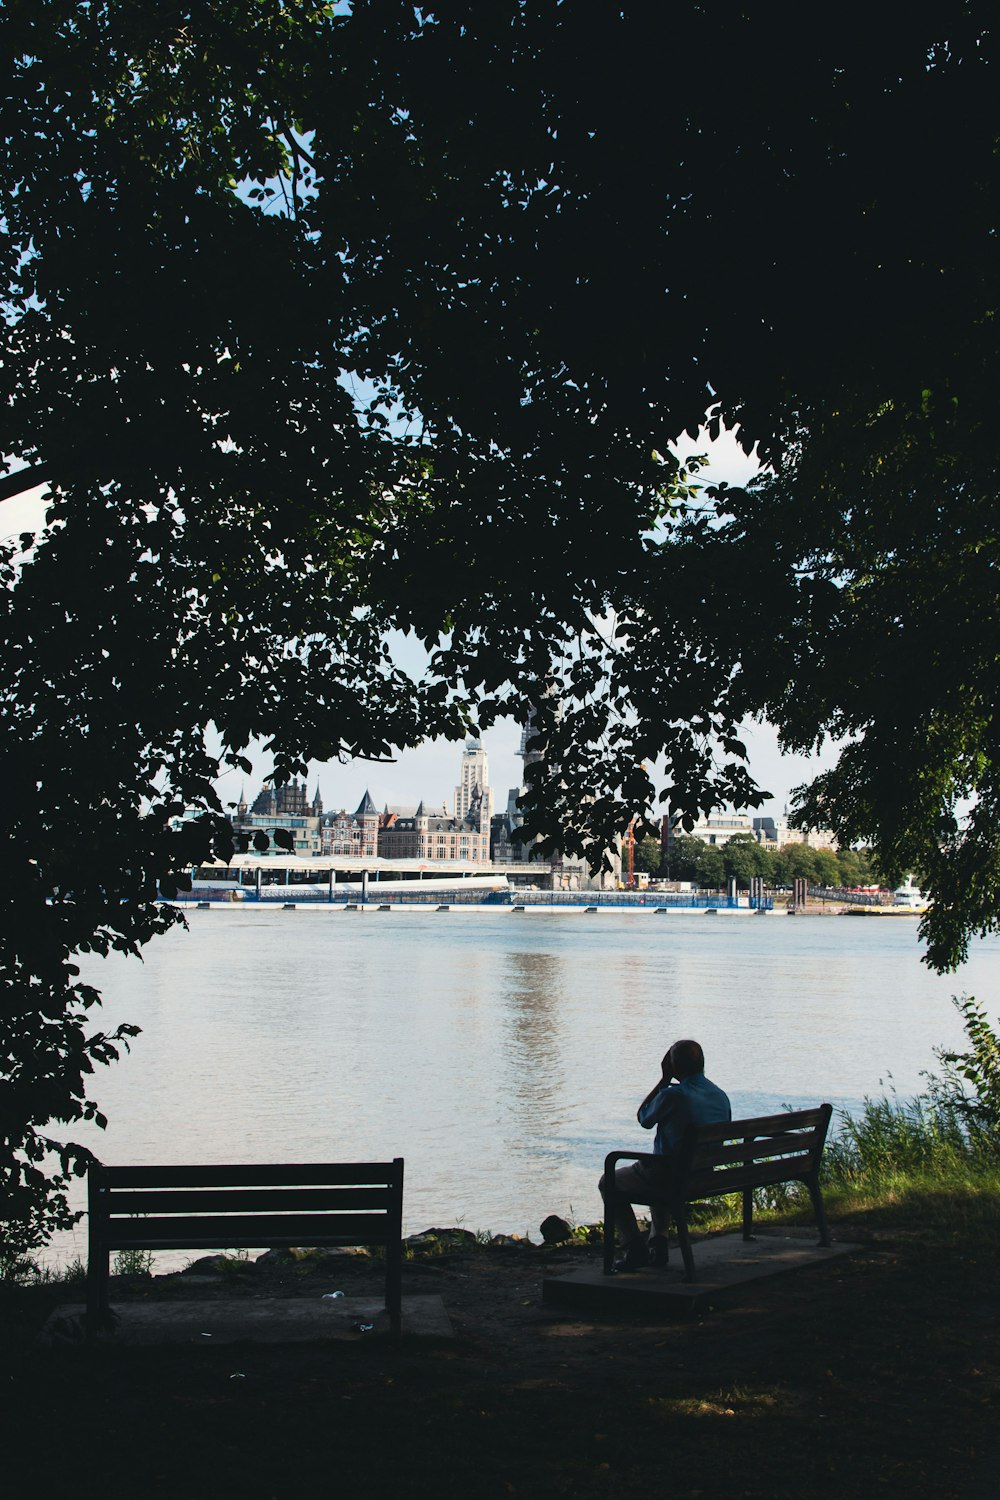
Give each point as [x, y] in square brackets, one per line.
[741, 858]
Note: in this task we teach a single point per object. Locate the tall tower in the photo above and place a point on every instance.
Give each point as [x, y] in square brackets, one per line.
[475, 773]
[520, 852]
[529, 757]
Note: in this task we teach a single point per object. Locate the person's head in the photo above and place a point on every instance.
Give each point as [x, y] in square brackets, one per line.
[686, 1059]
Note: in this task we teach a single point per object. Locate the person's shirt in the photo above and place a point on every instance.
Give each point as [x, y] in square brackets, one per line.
[695, 1100]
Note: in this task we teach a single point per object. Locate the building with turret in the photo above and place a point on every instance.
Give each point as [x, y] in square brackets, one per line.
[435, 836]
[288, 801]
[351, 833]
[283, 807]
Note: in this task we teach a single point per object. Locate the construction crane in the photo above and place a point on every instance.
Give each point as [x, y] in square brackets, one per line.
[630, 846]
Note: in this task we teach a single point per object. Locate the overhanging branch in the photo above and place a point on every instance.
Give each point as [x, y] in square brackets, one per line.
[22, 481]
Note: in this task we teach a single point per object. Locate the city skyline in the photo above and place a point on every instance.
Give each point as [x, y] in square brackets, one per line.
[427, 773]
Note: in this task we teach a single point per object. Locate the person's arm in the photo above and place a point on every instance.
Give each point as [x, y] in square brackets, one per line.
[653, 1107]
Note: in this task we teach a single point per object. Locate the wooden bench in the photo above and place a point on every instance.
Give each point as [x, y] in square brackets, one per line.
[735, 1158]
[244, 1207]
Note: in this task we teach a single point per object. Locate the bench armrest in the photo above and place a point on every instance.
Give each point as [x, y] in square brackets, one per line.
[614, 1157]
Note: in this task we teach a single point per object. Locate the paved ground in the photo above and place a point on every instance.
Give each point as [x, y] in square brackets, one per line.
[727, 1267]
[265, 1320]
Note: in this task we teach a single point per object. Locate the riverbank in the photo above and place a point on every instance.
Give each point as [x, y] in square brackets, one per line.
[537, 904]
[878, 1373]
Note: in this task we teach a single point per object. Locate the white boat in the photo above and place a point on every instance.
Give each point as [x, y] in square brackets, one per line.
[908, 898]
[907, 901]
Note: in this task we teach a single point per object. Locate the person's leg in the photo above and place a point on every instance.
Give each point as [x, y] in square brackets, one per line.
[659, 1221]
[659, 1226]
[639, 1182]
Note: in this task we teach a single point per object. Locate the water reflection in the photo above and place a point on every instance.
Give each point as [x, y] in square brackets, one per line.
[533, 1004]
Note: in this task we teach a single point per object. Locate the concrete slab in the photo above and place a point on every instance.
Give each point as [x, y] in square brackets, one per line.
[727, 1267]
[261, 1320]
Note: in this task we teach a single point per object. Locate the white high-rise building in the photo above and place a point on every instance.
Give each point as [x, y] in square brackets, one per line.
[475, 773]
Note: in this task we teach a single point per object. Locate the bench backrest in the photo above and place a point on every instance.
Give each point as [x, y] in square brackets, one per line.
[752, 1153]
[240, 1207]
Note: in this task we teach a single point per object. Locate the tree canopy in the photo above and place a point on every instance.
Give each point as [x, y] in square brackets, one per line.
[648, 856]
[742, 857]
[325, 321]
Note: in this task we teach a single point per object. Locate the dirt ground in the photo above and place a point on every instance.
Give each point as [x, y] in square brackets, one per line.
[877, 1374]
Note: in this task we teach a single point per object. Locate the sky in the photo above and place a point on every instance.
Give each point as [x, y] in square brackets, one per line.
[431, 772]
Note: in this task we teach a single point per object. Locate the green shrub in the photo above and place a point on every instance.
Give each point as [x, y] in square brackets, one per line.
[970, 1085]
[950, 1130]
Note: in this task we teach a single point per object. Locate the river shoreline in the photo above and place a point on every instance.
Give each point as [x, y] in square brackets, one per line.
[814, 907]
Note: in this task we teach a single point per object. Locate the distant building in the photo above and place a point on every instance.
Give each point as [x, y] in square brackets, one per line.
[284, 807]
[475, 779]
[718, 828]
[433, 837]
[715, 828]
[288, 801]
[503, 851]
[344, 833]
[773, 833]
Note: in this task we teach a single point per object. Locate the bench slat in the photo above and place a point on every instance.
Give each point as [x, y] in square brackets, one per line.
[764, 1125]
[261, 1229]
[119, 1202]
[734, 1179]
[805, 1142]
[245, 1174]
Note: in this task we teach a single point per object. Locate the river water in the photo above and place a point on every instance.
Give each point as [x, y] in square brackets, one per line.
[502, 1054]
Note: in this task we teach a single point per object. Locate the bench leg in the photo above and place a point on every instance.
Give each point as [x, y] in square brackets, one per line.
[98, 1257]
[748, 1213]
[97, 1290]
[817, 1202]
[684, 1240]
[609, 1233]
[394, 1287]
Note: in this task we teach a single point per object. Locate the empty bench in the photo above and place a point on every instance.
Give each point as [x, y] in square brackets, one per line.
[736, 1157]
[244, 1207]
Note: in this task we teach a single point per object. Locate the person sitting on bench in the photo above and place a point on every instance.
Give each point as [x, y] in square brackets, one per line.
[671, 1106]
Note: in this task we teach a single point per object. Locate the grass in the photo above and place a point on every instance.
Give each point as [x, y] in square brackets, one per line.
[23, 1271]
[132, 1263]
[912, 1162]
